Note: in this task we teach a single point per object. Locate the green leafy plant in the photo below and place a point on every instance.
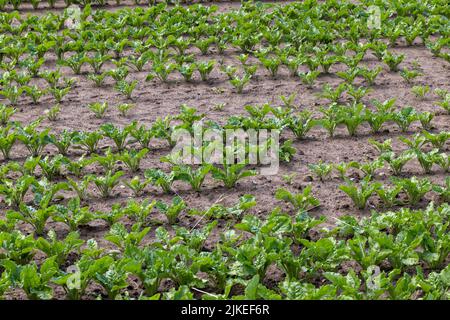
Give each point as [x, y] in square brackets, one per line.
[389, 195]
[230, 174]
[334, 95]
[308, 78]
[352, 117]
[7, 141]
[173, 210]
[370, 75]
[59, 249]
[37, 218]
[361, 193]
[397, 163]
[34, 280]
[187, 70]
[126, 88]
[321, 169]
[97, 79]
[86, 269]
[392, 60]
[73, 215]
[443, 191]
[89, 140]
[34, 92]
[240, 82]
[194, 177]
[414, 188]
[6, 113]
[132, 158]
[34, 140]
[348, 75]
[160, 179]
[80, 187]
[205, 68]
[438, 140]
[301, 124]
[63, 141]
[105, 184]
[15, 191]
[99, 109]
[136, 185]
[409, 75]
[272, 64]
[51, 167]
[420, 91]
[118, 135]
[404, 118]
[53, 112]
[425, 119]
[302, 202]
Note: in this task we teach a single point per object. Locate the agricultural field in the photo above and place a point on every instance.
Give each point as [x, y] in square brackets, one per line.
[344, 195]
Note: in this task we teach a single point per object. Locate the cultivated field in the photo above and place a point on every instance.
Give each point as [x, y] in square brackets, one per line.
[94, 203]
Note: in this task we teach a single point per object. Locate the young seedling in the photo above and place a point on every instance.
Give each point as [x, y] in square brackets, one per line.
[116, 134]
[52, 113]
[124, 108]
[173, 210]
[98, 108]
[105, 184]
[272, 64]
[389, 195]
[443, 191]
[132, 158]
[360, 194]
[230, 174]
[409, 75]
[126, 88]
[427, 159]
[136, 185]
[187, 70]
[239, 83]
[414, 188]
[8, 138]
[420, 91]
[89, 140]
[6, 113]
[309, 77]
[397, 163]
[301, 124]
[352, 117]
[98, 79]
[140, 212]
[80, 187]
[381, 147]
[334, 95]
[425, 119]
[60, 249]
[160, 179]
[302, 202]
[34, 92]
[229, 70]
[392, 60]
[194, 177]
[205, 68]
[404, 118]
[445, 103]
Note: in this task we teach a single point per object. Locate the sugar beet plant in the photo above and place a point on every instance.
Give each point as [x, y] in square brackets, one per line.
[164, 243]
